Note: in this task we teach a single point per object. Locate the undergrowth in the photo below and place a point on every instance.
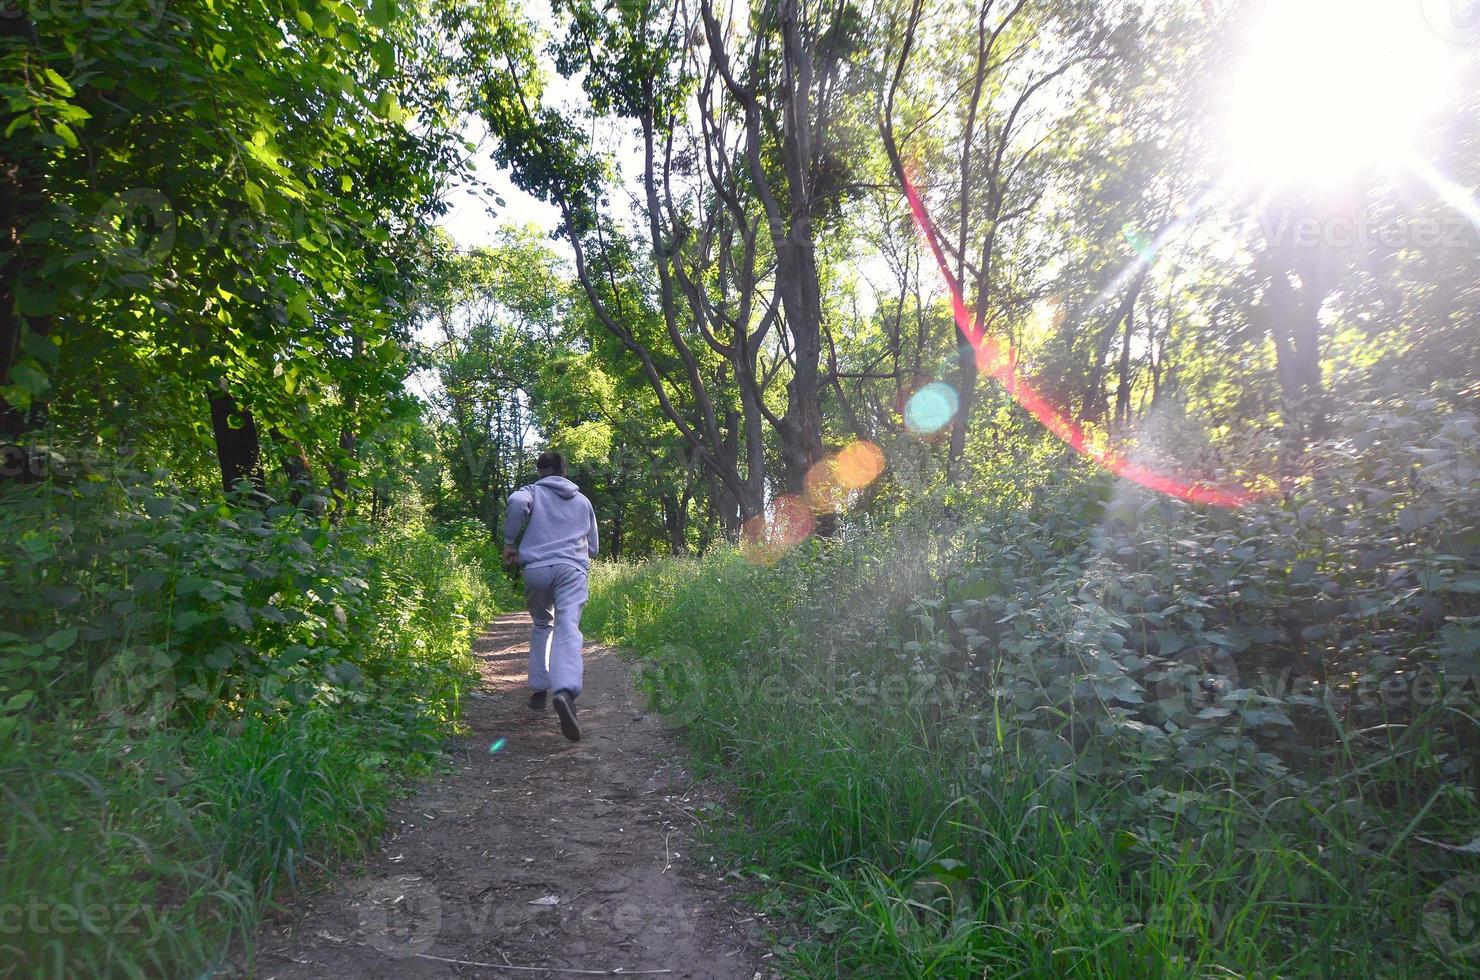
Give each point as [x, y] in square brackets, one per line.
[216, 699]
[1103, 733]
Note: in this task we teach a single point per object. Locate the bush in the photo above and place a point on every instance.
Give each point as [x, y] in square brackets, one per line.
[209, 697]
[1105, 733]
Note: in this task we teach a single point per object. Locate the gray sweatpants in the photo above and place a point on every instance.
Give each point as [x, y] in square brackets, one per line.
[555, 595]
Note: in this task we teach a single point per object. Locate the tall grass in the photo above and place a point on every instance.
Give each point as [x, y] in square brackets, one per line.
[160, 785]
[915, 822]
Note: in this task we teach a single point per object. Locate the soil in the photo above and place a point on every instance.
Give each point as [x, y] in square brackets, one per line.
[542, 858]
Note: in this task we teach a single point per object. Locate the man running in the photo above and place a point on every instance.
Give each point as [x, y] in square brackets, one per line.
[555, 553]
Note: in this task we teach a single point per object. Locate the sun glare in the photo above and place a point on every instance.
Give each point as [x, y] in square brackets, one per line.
[1329, 89]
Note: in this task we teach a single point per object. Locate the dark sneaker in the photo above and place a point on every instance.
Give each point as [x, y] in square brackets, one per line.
[566, 709]
[537, 700]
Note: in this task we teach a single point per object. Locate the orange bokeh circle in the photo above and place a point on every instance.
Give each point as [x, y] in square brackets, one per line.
[858, 465]
[764, 539]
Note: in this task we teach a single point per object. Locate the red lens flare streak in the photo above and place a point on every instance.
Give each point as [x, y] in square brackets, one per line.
[991, 358]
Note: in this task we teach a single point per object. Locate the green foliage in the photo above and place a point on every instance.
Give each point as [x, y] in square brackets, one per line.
[494, 315]
[1209, 640]
[218, 198]
[216, 603]
[1103, 733]
[210, 699]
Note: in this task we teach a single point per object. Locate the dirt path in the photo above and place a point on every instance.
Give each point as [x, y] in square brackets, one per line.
[545, 854]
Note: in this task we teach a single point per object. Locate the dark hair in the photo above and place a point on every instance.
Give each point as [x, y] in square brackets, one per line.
[551, 463]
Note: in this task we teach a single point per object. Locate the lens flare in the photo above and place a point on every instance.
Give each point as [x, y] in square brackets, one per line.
[831, 482]
[1139, 243]
[825, 492]
[859, 464]
[1327, 90]
[931, 408]
[1000, 361]
[765, 539]
[1453, 194]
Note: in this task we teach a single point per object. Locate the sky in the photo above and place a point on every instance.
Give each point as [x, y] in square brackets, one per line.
[468, 221]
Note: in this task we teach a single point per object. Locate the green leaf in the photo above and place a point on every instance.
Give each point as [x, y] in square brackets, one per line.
[385, 56]
[1460, 641]
[19, 701]
[1234, 643]
[389, 108]
[61, 640]
[39, 346]
[16, 395]
[950, 868]
[382, 12]
[1411, 519]
[190, 618]
[298, 310]
[1469, 585]
[1168, 642]
[29, 377]
[65, 132]
[58, 82]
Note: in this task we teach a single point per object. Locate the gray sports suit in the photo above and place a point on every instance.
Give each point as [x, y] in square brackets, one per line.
[555, 551]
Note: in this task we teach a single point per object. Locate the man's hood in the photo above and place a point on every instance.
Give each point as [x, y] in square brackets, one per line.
[560, 485]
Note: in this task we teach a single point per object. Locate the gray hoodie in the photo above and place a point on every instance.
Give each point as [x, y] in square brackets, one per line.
[562, 524]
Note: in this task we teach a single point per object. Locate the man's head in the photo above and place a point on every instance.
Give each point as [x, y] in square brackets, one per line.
[550, 464]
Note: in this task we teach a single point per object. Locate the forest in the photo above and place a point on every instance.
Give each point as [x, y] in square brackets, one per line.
[1035, 446]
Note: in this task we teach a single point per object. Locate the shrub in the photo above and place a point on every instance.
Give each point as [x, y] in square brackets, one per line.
[208, 697]
[1098, 732]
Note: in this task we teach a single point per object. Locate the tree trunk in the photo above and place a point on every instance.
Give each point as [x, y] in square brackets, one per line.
[797, 277]
[339, 475]
[675, 522]
[752, 419]
[801, 429]
[12, 419]
[789, 219]
[1092, 404]
[966, 367]
[726, 508]
[706, 528]
[348, 444]
[1293, 314]
[1123, 389]
[296, 469]
[238, 448]
[1156, 342]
